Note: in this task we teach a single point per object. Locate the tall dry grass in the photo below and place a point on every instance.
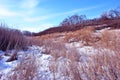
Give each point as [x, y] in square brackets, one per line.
[110, 39]
[26, 69]
[84, 35]
[11, 39]
[103, 65]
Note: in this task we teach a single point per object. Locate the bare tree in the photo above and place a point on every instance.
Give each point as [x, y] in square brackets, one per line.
[73, 20]
[112, 14]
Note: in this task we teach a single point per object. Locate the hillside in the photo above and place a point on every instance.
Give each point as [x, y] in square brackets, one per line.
[97, 24]
[83, 54]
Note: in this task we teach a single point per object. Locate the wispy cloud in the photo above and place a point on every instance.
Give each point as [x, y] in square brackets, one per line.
[27, 11]
[5, 12]
[53, 15]
[22, 8]
[29, 4]
[79, 10]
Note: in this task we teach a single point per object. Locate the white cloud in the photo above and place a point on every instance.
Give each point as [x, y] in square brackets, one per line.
[74, 11]
[29, 4]
[45, 17]
[5, 12]
[22, 8]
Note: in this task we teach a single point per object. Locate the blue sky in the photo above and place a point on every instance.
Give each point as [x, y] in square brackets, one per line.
[38, 15]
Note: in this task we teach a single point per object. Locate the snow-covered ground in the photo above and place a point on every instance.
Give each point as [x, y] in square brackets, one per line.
[5, 67]
[43, 60]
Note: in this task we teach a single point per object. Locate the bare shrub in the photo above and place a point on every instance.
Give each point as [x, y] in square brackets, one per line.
[11, 39]
[25, 70]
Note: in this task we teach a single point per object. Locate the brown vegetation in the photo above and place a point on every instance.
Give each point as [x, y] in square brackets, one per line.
[104, 64]
[11, 39]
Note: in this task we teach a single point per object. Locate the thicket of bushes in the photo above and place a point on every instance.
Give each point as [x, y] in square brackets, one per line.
[11, 39]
